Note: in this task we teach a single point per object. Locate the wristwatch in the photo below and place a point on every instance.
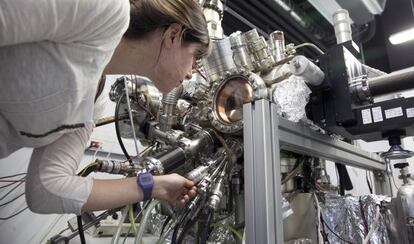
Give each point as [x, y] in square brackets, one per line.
[146, 182]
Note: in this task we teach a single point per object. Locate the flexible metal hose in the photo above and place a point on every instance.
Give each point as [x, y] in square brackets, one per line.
[144, 221]
[169, 105]
[117, 234]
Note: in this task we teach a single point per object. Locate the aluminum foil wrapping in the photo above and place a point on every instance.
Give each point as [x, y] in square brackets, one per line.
[222, 234]
[155, 222]
[291, 97]
[300, 241]
[286, 209]
[343, 216]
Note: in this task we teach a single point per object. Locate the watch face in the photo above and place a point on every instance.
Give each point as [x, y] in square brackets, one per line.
[146, 179]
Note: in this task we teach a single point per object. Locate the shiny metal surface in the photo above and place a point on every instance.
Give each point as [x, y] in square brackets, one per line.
[342, 26]
[405, 207]
[277, 45]
[241, 54]
[263, 59]
[301, 66]
[228, 97]
[220, 60]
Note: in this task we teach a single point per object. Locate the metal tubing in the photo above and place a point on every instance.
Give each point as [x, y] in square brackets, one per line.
[144, 220]
[124, 214]
[394, 82]
[172, 160]
[169, 102]
[342, 26]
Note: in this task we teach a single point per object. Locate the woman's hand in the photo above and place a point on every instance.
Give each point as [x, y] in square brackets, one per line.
[173, 188]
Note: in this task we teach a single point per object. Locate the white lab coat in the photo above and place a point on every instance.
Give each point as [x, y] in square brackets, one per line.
[52, 54]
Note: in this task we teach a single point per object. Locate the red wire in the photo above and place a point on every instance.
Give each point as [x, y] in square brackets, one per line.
[201, 74]
[146, 149]
[188, 110]
[143, 151]
[136, 99]
[145, 109]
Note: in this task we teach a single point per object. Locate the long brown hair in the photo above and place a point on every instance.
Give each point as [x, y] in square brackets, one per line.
[149, 15]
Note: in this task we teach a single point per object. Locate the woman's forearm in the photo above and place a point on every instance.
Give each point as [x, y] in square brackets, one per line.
[108, 194]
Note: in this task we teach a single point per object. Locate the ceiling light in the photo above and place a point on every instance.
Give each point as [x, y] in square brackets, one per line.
[374, 6]
[402, 36]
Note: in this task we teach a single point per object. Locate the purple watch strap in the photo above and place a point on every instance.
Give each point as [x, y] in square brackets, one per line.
[146, 182]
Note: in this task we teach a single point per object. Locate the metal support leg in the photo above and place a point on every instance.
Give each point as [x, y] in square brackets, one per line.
[263, 198]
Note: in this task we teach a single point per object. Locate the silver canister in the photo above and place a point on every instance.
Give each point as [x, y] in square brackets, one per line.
[342, 26]
[301, 66]
[220, 60]
[405, 201]
[263, 59]
[277, 45]
[241, 56]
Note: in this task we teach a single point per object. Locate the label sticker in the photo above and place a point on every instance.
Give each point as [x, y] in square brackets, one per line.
[410, 112]
[366, 116]
[394, 112]
[377, 114]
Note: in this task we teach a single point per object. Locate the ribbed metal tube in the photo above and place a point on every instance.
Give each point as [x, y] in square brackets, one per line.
[169, 103]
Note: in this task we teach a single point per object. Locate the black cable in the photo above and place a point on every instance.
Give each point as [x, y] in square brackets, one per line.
[80, 230]
[14, 199]
[329, 228]
[61, 232]
[177, 228]
[89, 170]
[324, 235]
[17, 213]
[10, 176]
[203, 236]
[368, 182]
[186, 228]
[14, 188]
[1, 187]
[118, 133]
[165, 224]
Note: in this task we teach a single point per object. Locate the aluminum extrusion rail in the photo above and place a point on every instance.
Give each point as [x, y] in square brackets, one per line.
[299, 138]
[264, 135]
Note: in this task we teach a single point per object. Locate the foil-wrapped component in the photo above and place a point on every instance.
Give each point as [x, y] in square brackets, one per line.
[221, 233]
[156, 222]
[345, 216]
[300, 241]
[369, 204]
[286, 209]
[291, 97]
